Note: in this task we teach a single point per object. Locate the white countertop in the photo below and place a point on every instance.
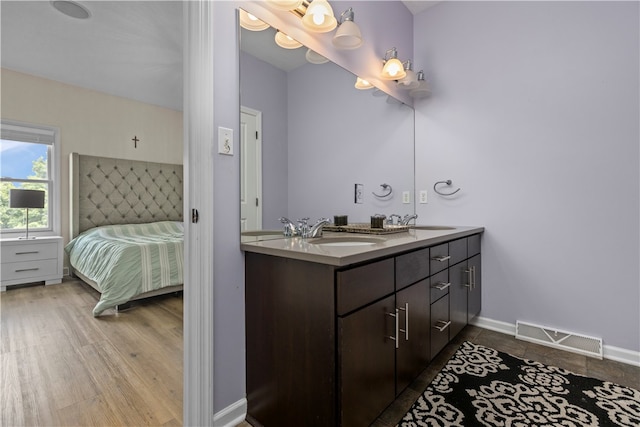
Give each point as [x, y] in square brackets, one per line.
[306, 250]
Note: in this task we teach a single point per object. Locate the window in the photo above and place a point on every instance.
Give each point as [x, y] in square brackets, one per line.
[28, 160]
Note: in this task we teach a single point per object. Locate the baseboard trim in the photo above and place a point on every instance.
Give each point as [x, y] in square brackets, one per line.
[232, 415]
[616, 354]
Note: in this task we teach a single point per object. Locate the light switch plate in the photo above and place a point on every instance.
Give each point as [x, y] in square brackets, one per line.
[225, 141]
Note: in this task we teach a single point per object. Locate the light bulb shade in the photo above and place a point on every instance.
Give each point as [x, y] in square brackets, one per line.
[19, 198]
[284, 4]
[363, 84]
[410, 81]
[314, 57]
[393, 70]
[422, 91]
[348, 36]
[319, 17]
[286, 42]
[251, 23]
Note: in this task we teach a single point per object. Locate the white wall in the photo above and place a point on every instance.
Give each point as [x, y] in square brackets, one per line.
[92, 123]
[534, 114]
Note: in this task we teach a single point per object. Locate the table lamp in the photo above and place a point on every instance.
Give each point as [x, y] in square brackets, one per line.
[26, 199]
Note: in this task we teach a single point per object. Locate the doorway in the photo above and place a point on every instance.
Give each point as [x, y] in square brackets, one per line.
[250, 169]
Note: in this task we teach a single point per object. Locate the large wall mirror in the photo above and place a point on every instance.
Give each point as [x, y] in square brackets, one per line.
[317, 136]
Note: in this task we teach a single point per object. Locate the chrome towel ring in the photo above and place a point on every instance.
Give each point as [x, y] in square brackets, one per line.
[447, 182]
[385, 187]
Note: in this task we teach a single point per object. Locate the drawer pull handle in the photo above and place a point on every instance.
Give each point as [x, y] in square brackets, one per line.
[27, 253]
[441, 258]
[397, 327]
[441, 286]
[406, 321]
[27, 269]
[443, 325]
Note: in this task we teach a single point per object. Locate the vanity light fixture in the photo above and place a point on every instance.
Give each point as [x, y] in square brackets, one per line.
[250, 22]
[314, 57]
[319, 17]
[393, 68]
[286, 42]
[285, 4]
[410, 81]
[363, 84]
[423, 90]
[348, 35]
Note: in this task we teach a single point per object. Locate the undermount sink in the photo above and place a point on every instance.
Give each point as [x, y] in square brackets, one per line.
[346, 241]
[262, 233]
[432, 227]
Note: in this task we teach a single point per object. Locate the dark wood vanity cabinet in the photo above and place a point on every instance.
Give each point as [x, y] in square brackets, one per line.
[333, 345]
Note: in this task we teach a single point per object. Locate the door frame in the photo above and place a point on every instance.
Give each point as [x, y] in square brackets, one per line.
[258, 152]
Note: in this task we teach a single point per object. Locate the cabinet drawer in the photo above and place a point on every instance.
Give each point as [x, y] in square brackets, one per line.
[473, 245]
[439, 285]
[458, 251]
[29, 252]
[440, 324]
[29, 270]
[362, 285]
[439, 258]
[412, 267]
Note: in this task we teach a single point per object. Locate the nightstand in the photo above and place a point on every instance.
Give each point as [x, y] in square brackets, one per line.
[28, 261]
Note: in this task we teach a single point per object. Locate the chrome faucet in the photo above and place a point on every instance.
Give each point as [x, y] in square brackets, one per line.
[390, 219]
[316, 229]
[290, 228]
[407, 218]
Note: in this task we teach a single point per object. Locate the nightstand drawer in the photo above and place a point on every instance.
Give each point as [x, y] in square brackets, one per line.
[29, 269]
[32, 252]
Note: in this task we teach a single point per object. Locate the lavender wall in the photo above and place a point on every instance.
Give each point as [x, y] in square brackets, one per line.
[534, 114]
[345, 136]
[263, 87]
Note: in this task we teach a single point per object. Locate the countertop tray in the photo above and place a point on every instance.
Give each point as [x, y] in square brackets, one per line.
[365, 228]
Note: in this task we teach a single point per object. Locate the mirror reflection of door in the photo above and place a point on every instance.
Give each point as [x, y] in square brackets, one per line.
[250, 169]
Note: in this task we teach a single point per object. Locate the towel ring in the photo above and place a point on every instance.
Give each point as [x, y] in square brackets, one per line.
[447, 182]
[385, 187]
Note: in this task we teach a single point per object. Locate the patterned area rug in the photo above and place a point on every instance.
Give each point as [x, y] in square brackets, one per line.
[480, 386]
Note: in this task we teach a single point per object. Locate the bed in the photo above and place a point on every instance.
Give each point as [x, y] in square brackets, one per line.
[127, 235]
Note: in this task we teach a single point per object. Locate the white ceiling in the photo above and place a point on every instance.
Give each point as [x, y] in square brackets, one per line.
[131, 49]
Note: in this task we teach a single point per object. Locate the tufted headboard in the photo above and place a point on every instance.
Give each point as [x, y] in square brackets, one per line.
[107, 191]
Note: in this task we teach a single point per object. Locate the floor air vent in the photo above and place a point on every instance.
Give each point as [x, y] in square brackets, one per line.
[563, 340]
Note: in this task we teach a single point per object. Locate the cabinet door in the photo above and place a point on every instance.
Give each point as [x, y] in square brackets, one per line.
[413, 354]
[366, 363]
[475, 290]
[458, 292]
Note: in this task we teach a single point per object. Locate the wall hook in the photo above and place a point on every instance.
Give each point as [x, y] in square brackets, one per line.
[447, 182]
[385, 187]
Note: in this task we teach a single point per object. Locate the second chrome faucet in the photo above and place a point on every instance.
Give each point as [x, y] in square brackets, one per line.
[303, 229]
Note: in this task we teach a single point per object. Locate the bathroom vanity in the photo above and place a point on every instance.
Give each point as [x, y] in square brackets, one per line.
[337, 327]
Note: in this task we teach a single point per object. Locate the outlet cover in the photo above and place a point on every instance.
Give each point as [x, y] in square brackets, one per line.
[225, 141]
[406, 197]
[423, 196]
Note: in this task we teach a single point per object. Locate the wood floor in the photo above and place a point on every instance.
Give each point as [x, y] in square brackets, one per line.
[60, 366]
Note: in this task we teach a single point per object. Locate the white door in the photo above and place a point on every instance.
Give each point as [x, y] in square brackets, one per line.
[250, 170]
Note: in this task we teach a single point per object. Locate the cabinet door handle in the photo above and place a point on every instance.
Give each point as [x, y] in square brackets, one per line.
[473, 275]
[441, 258]
[441, 286]
[27, 253]
[27, 269]
[443, 325]
[397, 327]
[469, 279]
[406, 321]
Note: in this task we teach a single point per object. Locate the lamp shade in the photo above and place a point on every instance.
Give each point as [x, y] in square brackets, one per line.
[348, 36]
[19, 198]
[250, 22]
[284, 4]
[286, 42]
[315, 58]
[363, 84]
[319, 17]
[393, 70]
